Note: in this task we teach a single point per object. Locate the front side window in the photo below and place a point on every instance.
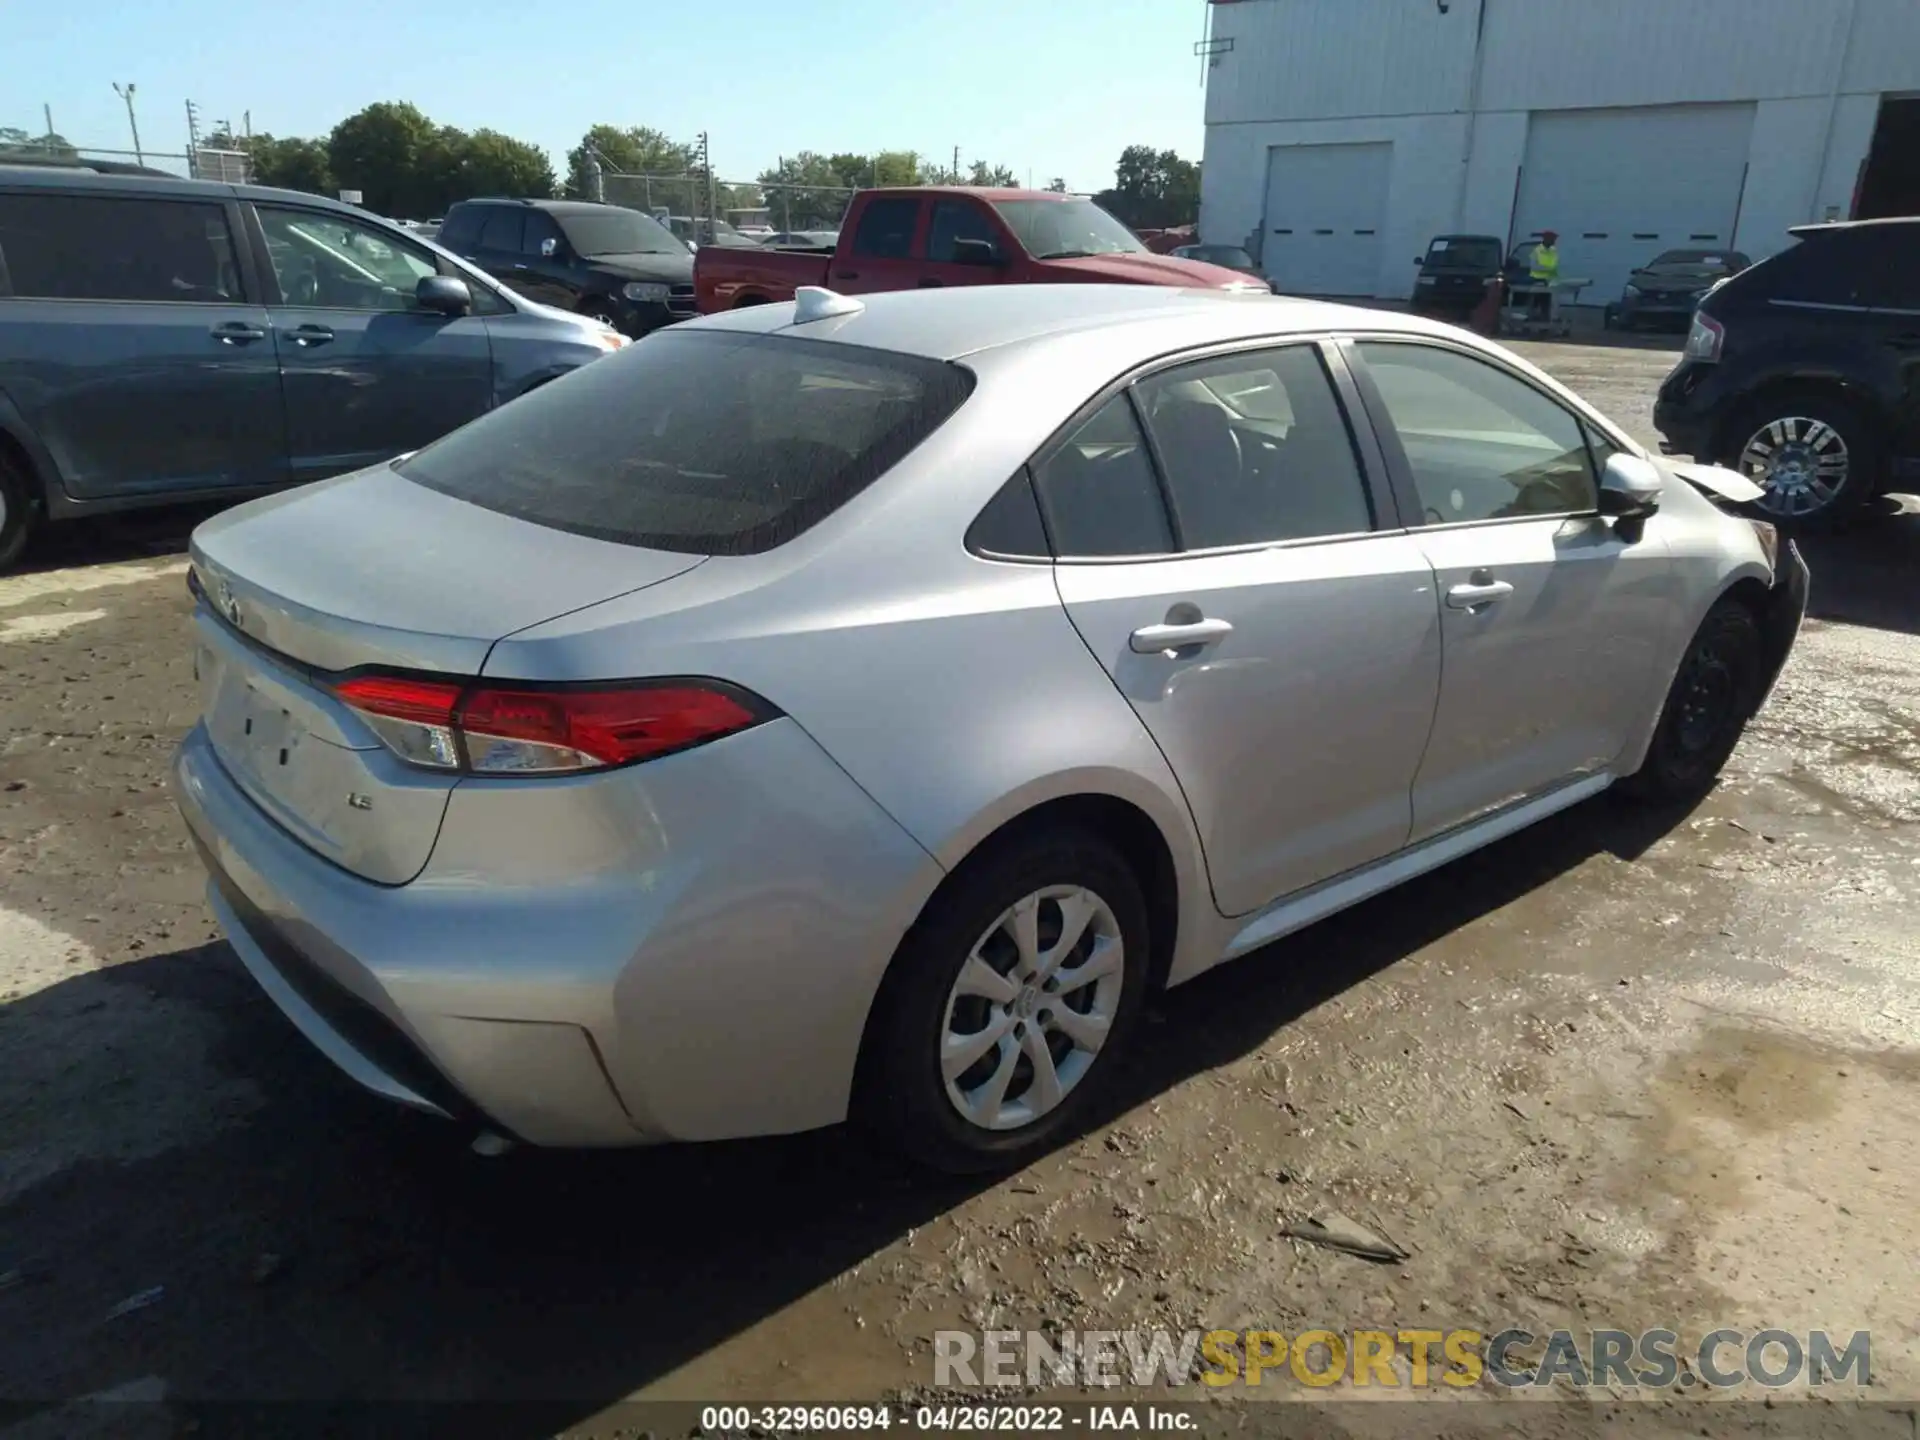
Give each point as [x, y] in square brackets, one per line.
[1255, 449]
[541, 238]
[334, 262]
[94, 247]
[704, 443]
[1066, 229]
[1099, 493]
[1482, 444]
[886, 228]
[957, 220]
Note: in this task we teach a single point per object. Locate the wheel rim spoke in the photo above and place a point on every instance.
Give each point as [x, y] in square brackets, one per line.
[1076, 913]
[979, 979]
[1105, 960]
[1088, 1032]
[1023, 924]
[1046, 1092]
[987, 1100]
[961, 1053]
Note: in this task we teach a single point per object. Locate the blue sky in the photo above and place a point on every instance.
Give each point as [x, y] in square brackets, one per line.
[1052, 86]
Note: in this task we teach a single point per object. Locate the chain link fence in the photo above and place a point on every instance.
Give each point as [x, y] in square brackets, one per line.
[688, 204]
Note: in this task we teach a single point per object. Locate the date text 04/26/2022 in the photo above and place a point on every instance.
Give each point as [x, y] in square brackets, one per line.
[723, 1422]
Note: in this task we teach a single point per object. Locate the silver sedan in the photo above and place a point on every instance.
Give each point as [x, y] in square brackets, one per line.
[857, 707]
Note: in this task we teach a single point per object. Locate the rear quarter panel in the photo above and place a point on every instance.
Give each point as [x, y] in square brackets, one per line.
[726, 276]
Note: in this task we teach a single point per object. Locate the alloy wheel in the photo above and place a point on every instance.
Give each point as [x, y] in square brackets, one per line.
[1802, 464]
[1032, 1006]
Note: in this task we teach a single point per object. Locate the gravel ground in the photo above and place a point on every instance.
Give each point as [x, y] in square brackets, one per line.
[1621, 1071]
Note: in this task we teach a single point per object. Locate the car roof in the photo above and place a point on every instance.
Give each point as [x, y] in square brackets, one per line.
[946, 324]
[1822, 228]
[175, 186]
[552, 207]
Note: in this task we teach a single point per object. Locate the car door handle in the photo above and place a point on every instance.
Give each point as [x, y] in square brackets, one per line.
[846, 274]
[931, 284]
[1472, 597]
[310, 335]
[518, 266]
[237, 332]
[1156, 639]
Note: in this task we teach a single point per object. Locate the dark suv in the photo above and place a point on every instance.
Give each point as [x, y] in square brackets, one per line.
[167, 340]
[1803, 372]
[614, 264]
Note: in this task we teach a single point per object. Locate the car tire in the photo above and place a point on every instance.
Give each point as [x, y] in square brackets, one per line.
[19, 512]
[596, 309]
[1714, 693]
[909, 1093]
[1796, 416]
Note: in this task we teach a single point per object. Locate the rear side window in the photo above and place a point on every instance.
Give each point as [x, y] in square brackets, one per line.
[502, 230]
[462, 227]
[93, 247]
[708, 444]
[1835, 267]
[886, 228]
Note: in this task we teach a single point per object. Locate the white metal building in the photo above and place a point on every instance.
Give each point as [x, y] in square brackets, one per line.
[1344, 134]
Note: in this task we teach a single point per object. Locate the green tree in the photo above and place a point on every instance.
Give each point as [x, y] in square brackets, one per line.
[394, 156]
[494, 164]
[51, 143]
[898, 167]
[633, 150]
[807, 191]
[1058, 185]
[293, 163]
[986, 176]
[1153, 189]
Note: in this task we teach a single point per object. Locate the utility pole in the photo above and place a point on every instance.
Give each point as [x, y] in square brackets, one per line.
[246, 119]
[134, 125]
[713, 203]
[193, 128]
[956, 164]
[786, 199]
[47, 110]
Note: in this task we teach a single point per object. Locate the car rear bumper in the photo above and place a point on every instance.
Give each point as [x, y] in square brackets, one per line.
[682, 950]
[1687, 411]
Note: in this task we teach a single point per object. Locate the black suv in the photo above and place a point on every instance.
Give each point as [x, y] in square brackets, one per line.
[614, 264]
[1803, 372]
[1454, 274]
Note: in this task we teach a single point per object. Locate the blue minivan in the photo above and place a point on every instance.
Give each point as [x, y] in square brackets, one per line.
[166, 340]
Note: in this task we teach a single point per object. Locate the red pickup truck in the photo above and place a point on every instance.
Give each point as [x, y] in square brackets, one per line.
[935, 235]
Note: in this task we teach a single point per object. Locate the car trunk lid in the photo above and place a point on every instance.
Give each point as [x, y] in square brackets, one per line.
[369, 572]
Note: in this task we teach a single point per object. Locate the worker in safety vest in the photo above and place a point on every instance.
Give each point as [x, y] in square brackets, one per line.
[1546, 267]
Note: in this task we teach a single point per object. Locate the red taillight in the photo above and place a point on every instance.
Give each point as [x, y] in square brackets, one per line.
[538, 730]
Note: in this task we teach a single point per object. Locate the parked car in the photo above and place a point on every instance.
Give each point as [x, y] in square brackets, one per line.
[749, 750]
[1803, 372]
[1228, 257]
[1667, 288]
[694, 233]
[620, 267]
[931, 236]
[803, 239]
[164, 340]
[1454, 274]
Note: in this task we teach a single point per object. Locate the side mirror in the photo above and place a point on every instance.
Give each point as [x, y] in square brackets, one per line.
[1630, 488]
[975, 252]
[443, 294]
[549, 248]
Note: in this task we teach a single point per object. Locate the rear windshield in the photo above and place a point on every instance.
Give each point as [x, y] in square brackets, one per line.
[701, 442]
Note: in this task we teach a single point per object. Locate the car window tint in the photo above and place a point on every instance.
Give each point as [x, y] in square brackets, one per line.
[957, 220]
[1821, 269]
[501, 231]
[1099, 492]
[87, 247]
[335, 262]
[1482, 445]
[539, 228]
[1255, 449]
[462, 228]
[886, 228]
[1888, 275]
[705, 443]
[1010, 523]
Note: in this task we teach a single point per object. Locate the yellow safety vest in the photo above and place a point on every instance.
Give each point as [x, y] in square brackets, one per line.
[1546, 263]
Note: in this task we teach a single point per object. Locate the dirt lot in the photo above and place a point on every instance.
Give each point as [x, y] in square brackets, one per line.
[1621, 1071]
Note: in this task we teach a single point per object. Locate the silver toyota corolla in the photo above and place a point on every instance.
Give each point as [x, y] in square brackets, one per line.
[857, 707]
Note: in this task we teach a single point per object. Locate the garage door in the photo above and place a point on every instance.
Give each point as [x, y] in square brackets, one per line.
[1325, 204]
[1622, 185]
